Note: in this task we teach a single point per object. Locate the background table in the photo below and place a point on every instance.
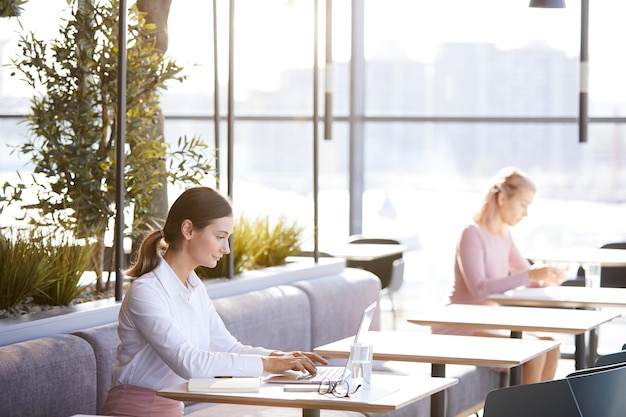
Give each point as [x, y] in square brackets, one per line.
[606, 257]
[572, 297]
[518, 320]
[603, 256]
[439, 350]
[366, 252]
[387, 393]
[378, 258]
[566, 297]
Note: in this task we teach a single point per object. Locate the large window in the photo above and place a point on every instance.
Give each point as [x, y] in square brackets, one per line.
[453, 91]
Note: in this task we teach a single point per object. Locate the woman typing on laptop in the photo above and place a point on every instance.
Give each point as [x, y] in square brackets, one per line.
[169, 328]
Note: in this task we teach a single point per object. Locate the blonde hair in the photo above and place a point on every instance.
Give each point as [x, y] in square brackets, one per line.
[508, 180]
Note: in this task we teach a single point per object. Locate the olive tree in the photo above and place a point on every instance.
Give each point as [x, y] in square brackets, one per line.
[72, 124]
[11, 8]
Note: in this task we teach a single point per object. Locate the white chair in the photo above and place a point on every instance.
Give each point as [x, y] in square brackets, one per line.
[395, 282]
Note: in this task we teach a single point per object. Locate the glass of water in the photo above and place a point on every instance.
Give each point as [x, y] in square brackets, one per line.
[361, 364]
[592, 275]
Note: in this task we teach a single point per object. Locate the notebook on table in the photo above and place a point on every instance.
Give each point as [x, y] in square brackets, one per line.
[327, 373]
[236, 384]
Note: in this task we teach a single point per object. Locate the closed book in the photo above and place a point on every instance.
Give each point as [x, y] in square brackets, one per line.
[242, 384]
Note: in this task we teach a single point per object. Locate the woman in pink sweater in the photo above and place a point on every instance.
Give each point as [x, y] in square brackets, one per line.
[488, 262]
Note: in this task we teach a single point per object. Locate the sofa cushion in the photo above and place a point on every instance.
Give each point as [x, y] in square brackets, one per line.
[475, 382]
[337, 303]
[275, 318]
[50, 376]
[104, 341]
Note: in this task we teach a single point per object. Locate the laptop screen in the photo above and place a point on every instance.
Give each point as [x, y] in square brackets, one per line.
[366, 321]
[294, 377]
[364, 326]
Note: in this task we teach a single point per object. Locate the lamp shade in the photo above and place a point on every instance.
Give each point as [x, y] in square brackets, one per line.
[548, 4]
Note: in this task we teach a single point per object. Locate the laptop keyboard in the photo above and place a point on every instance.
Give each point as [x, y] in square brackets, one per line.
[332, 373]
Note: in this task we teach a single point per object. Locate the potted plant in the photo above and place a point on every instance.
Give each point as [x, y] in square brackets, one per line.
[258, 243]
[40, 271]
[47, 273]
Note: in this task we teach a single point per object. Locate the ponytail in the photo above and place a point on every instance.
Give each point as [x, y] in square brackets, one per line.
[150, 251]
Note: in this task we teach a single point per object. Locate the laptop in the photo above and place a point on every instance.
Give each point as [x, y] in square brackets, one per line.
[331, 373]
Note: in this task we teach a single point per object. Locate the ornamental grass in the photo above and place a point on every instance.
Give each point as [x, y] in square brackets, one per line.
[36, 267]
[258, 243]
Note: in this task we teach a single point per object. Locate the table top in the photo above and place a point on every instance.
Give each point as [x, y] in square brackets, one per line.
[514, 318]
[415, 346]
[603, 256]
[387, 393]
[366, 251]
[563, 296]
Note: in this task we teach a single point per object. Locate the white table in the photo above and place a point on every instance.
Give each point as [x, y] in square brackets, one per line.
[602, 256]
[387, 393]
[366, 252]
[374, 257]
[581, 255]
[563, 296]
[440, 350]
[566, 297]
[518, 320]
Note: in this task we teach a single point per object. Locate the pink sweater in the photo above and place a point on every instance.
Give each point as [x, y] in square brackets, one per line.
[486, 263]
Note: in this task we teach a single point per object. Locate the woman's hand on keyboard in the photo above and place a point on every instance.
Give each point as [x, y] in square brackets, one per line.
[296, 361]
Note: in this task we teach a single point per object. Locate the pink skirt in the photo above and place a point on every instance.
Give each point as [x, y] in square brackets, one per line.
[129, 400]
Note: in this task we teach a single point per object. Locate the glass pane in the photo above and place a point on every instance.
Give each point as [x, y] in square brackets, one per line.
[423, 58]
[490, 57]
[424, 182]
[13, 135]
[274, 175]
[462, 157]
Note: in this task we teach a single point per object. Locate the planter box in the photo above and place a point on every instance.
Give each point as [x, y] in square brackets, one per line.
[95, 313]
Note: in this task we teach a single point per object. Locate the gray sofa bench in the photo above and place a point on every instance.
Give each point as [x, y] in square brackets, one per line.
[70, 374]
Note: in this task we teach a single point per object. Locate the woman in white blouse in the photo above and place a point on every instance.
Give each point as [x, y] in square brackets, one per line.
[168, 326]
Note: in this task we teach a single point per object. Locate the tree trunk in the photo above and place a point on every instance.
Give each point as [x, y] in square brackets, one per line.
[157, 12]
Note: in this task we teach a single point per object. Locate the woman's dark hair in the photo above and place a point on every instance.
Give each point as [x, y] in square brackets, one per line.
[200, 205]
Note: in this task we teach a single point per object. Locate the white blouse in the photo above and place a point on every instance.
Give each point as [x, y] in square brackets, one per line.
[170, 333]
